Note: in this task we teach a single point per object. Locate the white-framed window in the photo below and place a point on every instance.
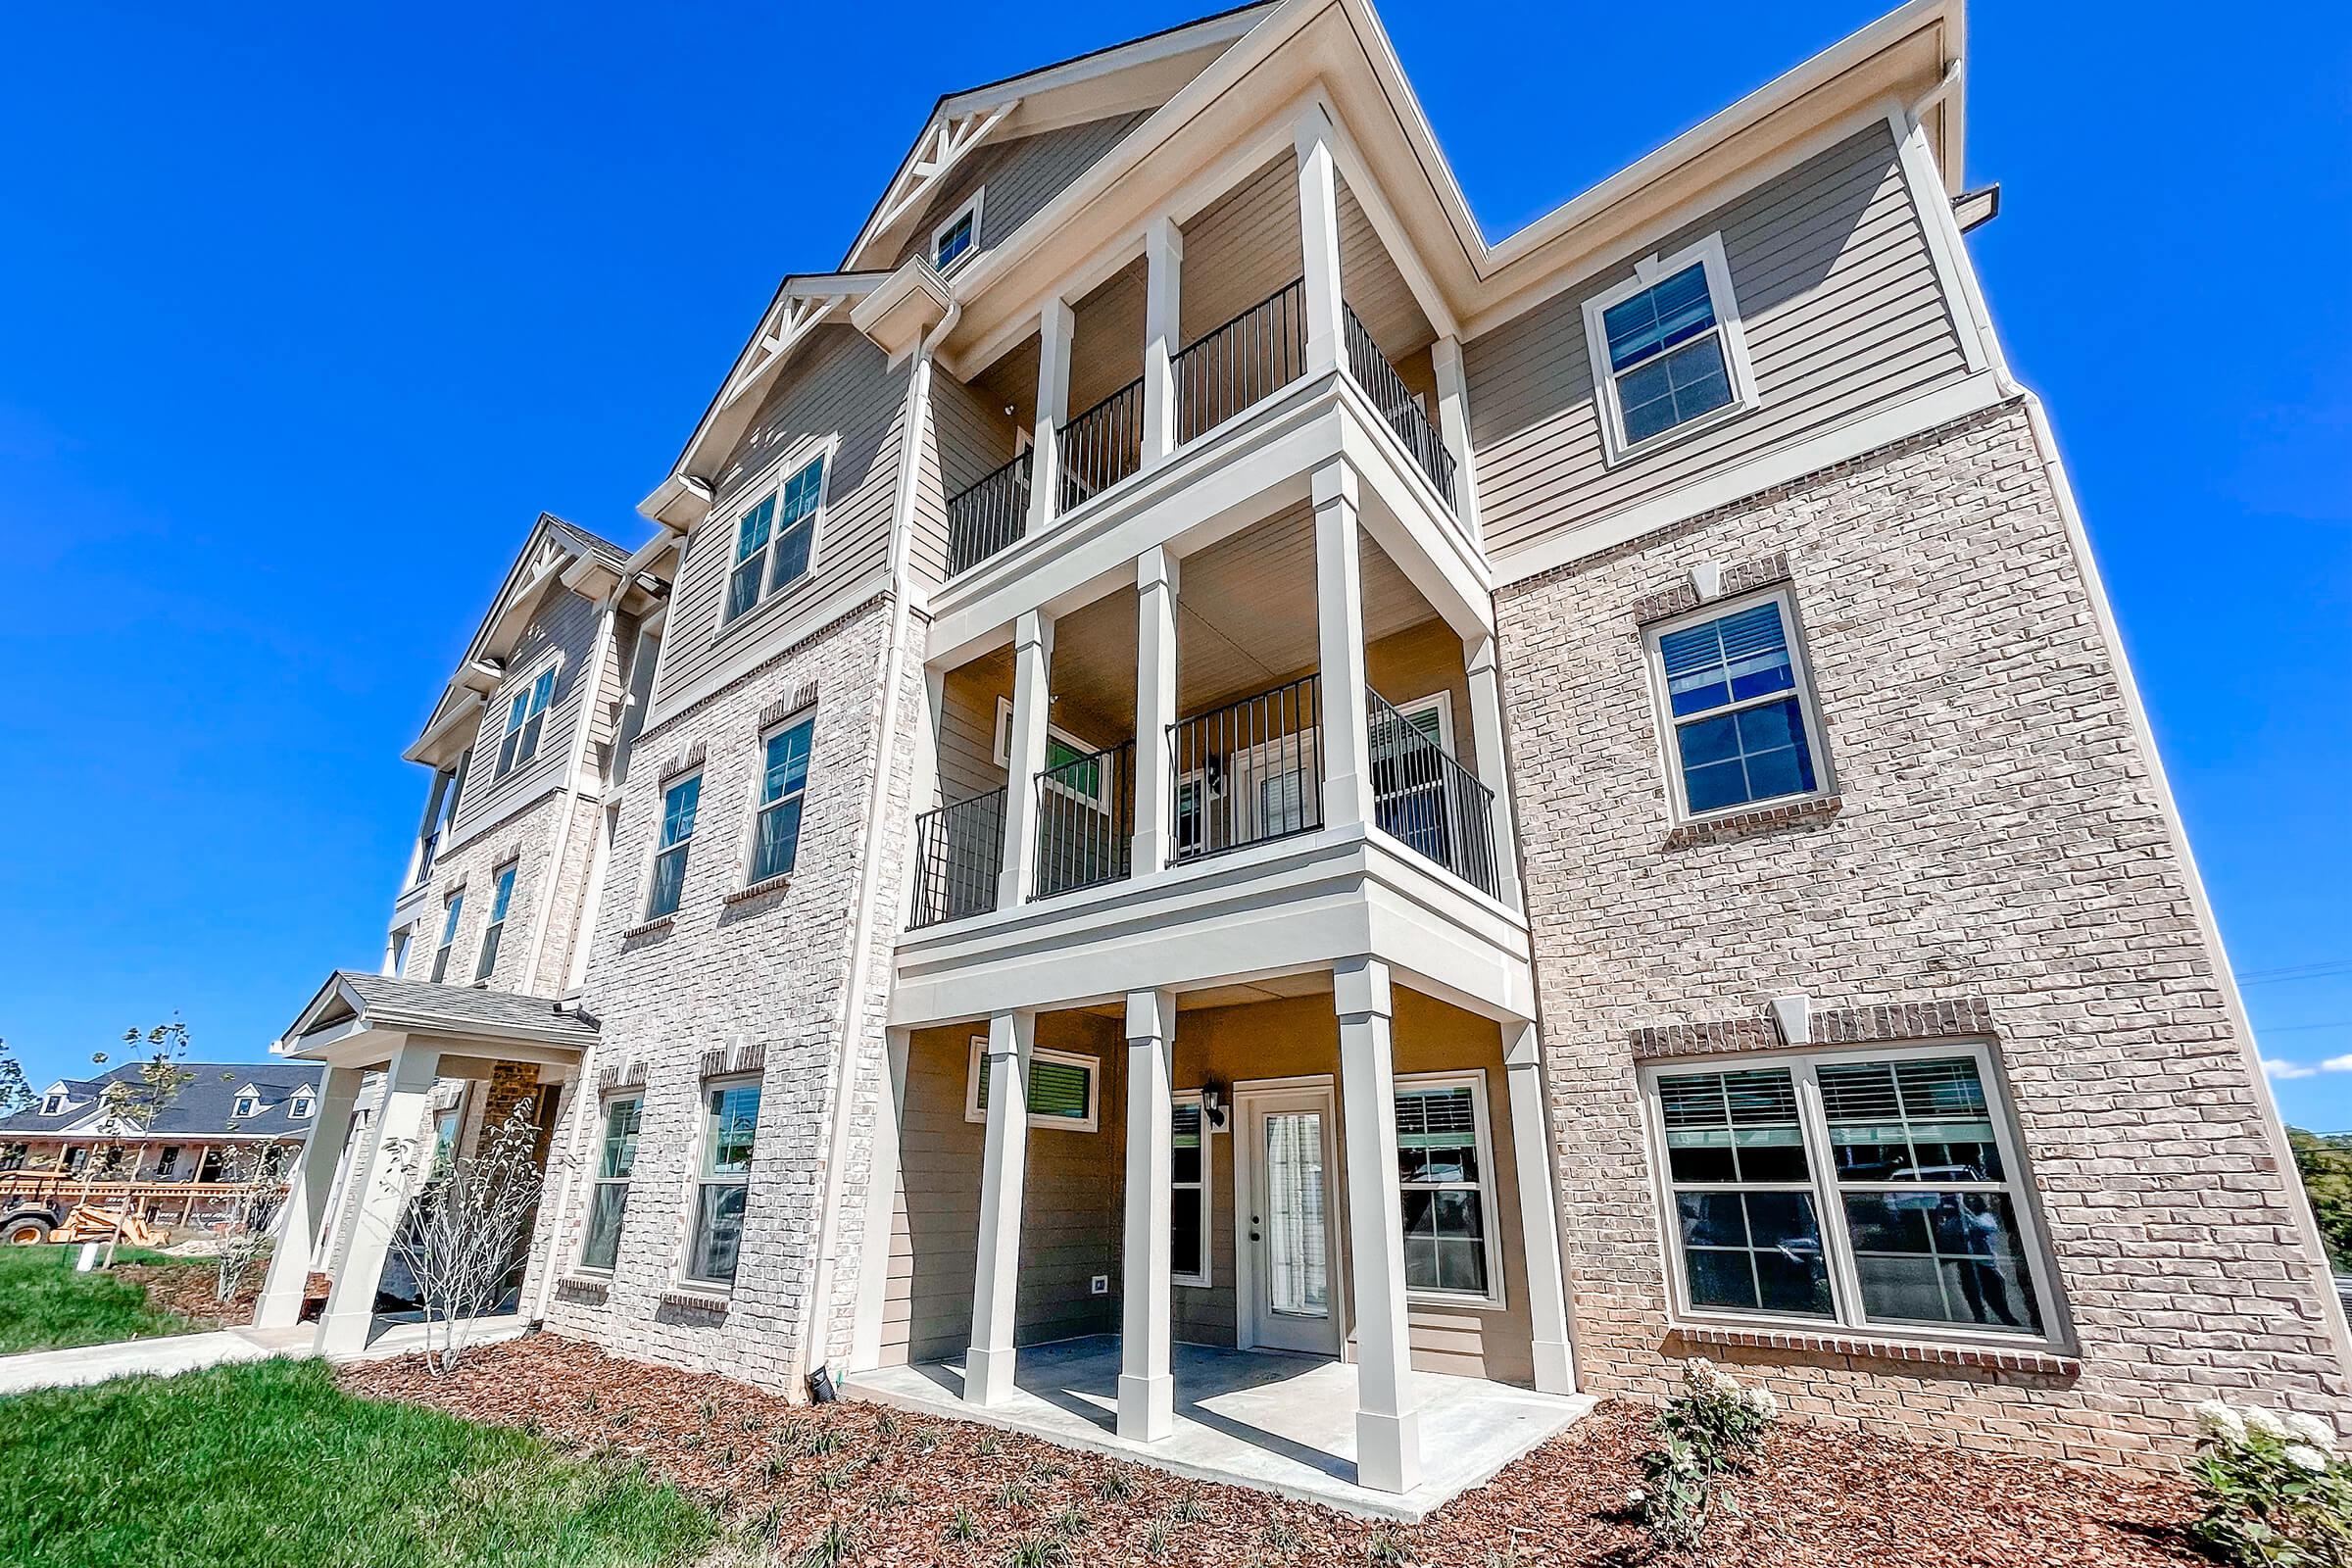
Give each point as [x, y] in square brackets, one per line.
[672, 844]
[302, 1107]
[396, 965]
[1736, 705]
[527, 715]
[1062, 1088]
[450, 909]
[502, 893]
[730, 1133]
[54, 1105]
[1065, 752]
[775, 538]
[608, 1198]
[1187, 1195]
[247, 1104]
[1669, 354]
[1445, 1178]
[959, 236]
[1876, 1189]
[783, 787]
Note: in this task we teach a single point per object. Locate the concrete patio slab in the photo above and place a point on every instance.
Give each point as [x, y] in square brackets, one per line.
[1276, 1423]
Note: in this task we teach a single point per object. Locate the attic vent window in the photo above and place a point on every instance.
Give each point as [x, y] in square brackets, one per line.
[303, 1107]
[54, 1105]
[246, 1106]
[956, 238]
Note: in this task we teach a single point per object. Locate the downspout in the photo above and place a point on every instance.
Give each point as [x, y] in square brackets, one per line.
[818, 1319]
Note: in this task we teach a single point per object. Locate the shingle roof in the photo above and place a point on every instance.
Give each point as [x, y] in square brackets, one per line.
[384, 1002]
[205, 1104]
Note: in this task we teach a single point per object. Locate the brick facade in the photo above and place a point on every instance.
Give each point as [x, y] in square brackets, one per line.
[1999, 864]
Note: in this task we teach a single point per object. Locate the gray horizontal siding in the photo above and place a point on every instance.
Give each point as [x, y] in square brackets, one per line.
[1842, 312]
[566, 625]
[1021, 176]
[971, 438]
[838, 384]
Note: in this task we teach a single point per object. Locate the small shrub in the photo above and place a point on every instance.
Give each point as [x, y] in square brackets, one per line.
[1186, 1510]
[1043, 1470]
[1382, 1546]
[821, 1441]
[1707, 1431]
[987, 1446]
[829, 1548]
[1070, 1524]
[1116, 1487]
[890, 1500]
[964, 1526]
[926, 1443]
[2273, 1490]
[1156, 1537]
[1014, 1495]
[886, 1424]
[1281, 1536]
[707, 1410]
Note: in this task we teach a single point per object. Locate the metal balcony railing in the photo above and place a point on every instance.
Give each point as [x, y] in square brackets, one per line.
[1397, 405]
[1085, 821]
[1251, 357]
[958, 856]
[989, 516]
[1248, 771]
[1427, 799]
[1102, 446]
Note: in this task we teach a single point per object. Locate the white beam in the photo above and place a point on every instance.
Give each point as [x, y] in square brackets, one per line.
[305, 1211]
[996, 1288]
[1387, 1426]
[379, 1194]
[1146, 1383]
[1319, 244]
[1485, 681]
[1339, 629]
[1163, 260]
[1155, 589]
[1055, 326]
[1032, 676]
[1539, 1224]
[1454, 428]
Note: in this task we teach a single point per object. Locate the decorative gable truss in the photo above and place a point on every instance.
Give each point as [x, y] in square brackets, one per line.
[944, 145]
[792, 317]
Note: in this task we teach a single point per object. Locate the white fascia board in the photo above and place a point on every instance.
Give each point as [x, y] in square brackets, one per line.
[797, 286]
[452, 719]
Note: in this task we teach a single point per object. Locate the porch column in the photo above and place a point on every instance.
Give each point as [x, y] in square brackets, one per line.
[1155, 577]
[1453, 426]
[380, 1192]
[1147, 1387]
[1340, 634]
[1053, 329]
[1319, 243]
[1163, 331]
[1388, 1427]
[307, 1199]
[988, 1366]
[1032, 670]
[1538, 1226]
[1479, 667]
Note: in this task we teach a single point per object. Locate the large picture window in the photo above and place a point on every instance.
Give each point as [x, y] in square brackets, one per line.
[730, 1130]
[609, 1201]
[1739, 720]
[774, 538]
[1446, 1171]
[1667, 350]
[1868, 1190]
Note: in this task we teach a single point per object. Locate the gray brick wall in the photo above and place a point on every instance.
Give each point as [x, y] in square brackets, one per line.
[1999, 843]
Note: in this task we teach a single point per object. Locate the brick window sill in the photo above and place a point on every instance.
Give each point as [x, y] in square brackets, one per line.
[1998, 1358]
[649, 927]
[696, 1301]
[760, 890]
[1741, 824]
[585, 1287]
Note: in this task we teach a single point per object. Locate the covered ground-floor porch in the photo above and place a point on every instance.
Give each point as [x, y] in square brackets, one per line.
[1278, 1423]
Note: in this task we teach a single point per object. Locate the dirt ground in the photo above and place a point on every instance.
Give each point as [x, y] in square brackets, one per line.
[920, 1490]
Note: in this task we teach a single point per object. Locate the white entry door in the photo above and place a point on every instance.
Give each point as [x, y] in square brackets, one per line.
[1285, 1207]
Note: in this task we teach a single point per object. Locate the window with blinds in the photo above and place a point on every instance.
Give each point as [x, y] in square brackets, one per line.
[1446, 1186]
[1737, 710]
[1062, 1089]
[1188, 1183]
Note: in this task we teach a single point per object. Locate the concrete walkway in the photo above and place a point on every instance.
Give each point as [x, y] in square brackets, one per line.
[162, 1357]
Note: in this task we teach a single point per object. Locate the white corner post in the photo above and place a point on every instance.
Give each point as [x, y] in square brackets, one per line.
[1163, 332]
[1387, 1426]
[379, 1191]
[1155, 589]
[1453, 426]
[1032, 675]
[307, 1196]
[1147, 1384]
[1339, 637]
[1485, 680]
[996, 1289]
[1055, 327]
[1319, 243]
[1539, 1221]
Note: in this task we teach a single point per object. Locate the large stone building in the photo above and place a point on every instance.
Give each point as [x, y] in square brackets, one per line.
[1521, 810]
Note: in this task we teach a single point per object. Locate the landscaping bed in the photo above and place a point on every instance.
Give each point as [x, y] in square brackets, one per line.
[184, 1288]
[913, 1488]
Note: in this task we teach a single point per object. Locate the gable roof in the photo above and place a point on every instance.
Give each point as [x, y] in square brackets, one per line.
[205, 1106]
[353, 999]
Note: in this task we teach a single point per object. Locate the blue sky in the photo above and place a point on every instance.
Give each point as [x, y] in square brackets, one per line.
[309, 310]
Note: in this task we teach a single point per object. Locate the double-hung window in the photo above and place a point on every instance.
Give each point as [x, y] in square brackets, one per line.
[1062, 1088]
[1667, 349]
[1187, 1195]
[1739, 717]
[678, 804]
[1445, 1172]
[783, 782]
[773, 538]
[731, 1129]
[1873, 1190]
[527, 715]
[449, 935]
[502, 893]
[623, 1119]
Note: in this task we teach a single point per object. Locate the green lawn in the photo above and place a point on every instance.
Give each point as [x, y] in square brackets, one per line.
[44, 1306]
[270, 1463]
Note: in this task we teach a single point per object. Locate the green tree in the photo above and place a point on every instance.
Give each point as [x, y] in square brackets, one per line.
[135, 1103]
[15, 1092]
[2325, 1162]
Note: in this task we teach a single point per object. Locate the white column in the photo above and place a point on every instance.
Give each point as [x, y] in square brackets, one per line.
[1319, 243]
[1538, 1226]
[988, 1366]
[381, 1186]
[1032, 673]
[1147, 1386]
[1485, 681]
[1156, 579]
[1453, 426]
[306, 1201]
[1163, 336]
[1053, 329]
[1387, 1426]
[1340, 631]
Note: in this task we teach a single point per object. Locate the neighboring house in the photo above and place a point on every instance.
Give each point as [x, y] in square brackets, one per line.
[1201, 753]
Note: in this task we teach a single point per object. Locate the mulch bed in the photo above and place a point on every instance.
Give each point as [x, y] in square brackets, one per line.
[185, 1289]
[1817, 1498]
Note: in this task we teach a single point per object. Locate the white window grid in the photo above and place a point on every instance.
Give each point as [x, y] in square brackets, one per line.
[789, 499]
[502, 893]
[450, 909]
[973, 1110]
[708, 1179]
[1648, 272]
[601, 1181]
[1487, 1187]
[667, 848]
[1670, 723]
[527, 717]
[967, 215]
